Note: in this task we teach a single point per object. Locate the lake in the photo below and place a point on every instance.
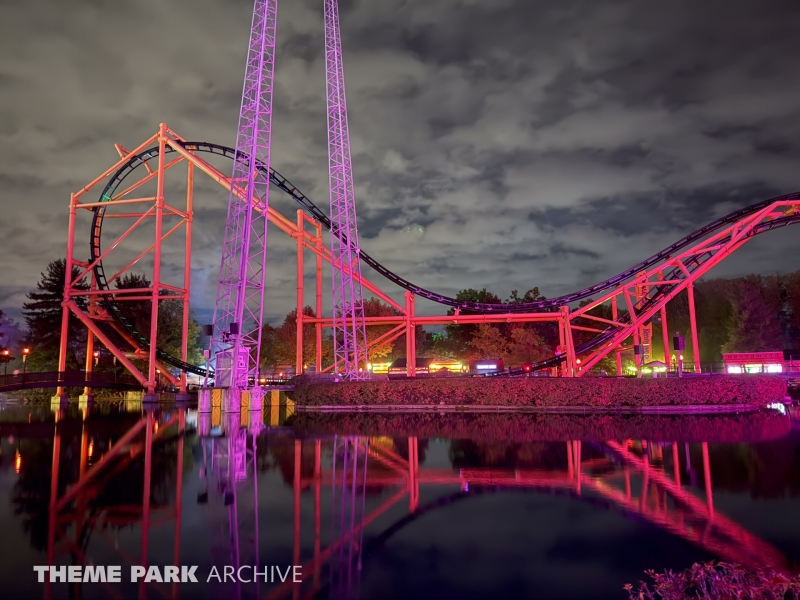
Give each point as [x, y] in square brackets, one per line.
[370, 506]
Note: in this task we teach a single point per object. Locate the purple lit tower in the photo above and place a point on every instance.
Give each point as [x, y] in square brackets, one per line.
[238, 312]
[349, 330]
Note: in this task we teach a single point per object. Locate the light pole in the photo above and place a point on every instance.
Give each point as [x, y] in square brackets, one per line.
[6, 359]
[25, 352]
[96, 357]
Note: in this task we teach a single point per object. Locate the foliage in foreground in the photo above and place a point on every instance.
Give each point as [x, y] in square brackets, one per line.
[717, 580]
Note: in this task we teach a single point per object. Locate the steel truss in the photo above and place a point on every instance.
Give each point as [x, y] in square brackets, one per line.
[349, 330]
[634, 300]
[239, 306]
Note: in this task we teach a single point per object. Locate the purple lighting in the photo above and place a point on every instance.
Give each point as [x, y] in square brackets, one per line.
[349, 330]
[238, 312]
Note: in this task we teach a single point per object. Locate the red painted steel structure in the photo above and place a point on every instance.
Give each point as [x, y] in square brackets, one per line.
[635, 298]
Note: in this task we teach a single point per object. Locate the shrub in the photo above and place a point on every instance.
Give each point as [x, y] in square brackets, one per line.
[599, 392]
[717, 580]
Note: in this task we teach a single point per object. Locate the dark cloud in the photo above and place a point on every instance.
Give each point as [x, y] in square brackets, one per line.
[501, 143]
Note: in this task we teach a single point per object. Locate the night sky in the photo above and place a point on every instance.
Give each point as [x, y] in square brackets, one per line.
[498, 143]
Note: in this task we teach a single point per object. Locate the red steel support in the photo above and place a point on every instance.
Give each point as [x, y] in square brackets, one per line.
[411, 345]
[617, 352]
[156, 284]
[318, 313]
[187, 269]
[300, 278]
[62, 354]
[693, 323]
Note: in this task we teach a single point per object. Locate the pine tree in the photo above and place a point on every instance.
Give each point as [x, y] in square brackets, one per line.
[43, 317]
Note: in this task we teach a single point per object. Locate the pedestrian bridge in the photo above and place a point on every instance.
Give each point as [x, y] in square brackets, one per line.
[54, 379]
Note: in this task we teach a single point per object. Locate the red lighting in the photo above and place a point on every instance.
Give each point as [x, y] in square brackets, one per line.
[578, 360]
[6, 353]
[526, 368]
[96, 354]
[26, 351]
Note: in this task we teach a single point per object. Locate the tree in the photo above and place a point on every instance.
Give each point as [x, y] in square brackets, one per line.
[458, 337]
[755, 322]
[516, 346]
[43, 316]
[283, 342]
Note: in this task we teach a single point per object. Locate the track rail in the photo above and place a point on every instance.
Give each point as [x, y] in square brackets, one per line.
[544, 305]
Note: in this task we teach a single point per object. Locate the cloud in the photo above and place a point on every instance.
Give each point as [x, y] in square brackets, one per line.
[531, 142]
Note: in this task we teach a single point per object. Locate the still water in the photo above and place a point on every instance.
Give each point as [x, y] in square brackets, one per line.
[404, 506]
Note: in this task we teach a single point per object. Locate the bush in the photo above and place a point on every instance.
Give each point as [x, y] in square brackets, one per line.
[598, 392]
[717, 580]
[752, 427]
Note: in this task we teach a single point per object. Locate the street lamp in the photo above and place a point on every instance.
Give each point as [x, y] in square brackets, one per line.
[25, 352]
[6, 359]
[96, 357]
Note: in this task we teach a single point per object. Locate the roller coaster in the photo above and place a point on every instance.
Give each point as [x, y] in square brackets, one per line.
[643, 289]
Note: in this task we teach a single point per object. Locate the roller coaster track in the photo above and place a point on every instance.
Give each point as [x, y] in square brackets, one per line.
[654, 296]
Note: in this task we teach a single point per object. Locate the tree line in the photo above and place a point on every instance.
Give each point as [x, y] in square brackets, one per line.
[745, 314]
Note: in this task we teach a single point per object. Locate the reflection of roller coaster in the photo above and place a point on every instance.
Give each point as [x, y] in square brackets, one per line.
[623, 478]
[643, 289]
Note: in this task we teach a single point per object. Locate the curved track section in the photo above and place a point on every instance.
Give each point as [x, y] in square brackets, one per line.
[282, 183]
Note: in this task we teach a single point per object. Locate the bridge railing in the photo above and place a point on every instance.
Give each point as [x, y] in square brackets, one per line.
[67, 379]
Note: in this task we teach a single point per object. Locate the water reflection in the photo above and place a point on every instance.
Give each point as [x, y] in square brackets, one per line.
[115, 484]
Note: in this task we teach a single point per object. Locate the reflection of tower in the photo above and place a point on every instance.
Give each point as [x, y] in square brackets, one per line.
[229, 467]
[349, 484]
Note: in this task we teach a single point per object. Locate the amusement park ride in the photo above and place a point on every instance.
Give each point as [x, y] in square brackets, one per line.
[120, 192]
[635, 296]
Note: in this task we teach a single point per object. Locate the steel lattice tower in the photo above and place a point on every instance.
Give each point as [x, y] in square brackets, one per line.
[238, 311]
[349, 330]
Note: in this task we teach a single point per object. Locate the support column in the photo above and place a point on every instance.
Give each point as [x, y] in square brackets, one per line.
[411, 342]
[187, 273]
[637, 356]
[318, 356]
[567, 346]
[63, 342]
[617, 352]
[151, 367]
[300, 273]
[87, 395]
[665, 330]
[693, 322]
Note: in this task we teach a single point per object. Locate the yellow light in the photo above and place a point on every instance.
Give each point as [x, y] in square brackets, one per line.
[17, 462]
[91, 449]
[680, 357]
